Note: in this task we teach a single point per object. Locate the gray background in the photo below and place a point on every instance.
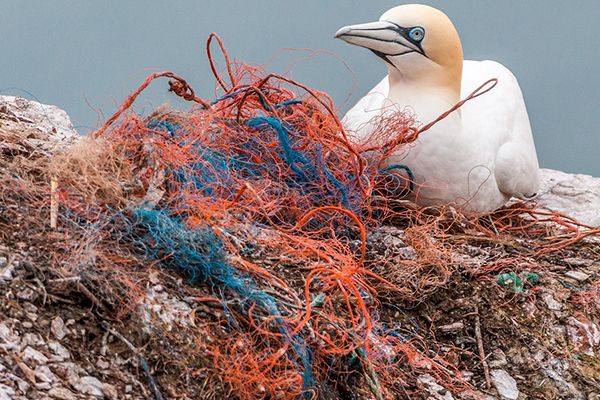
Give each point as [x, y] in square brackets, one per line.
[86, 56]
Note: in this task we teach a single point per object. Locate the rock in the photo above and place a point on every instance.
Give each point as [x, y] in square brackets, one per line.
[68, 371]
[551, 302]
[583, 334]
[110, 391]
[32, 339]
[102, 364]
[61, 393]
[436, 391]
[497, 359]
[557, 371]
[90, 386]
[58, 328]
[467, 376]
[7, 377]
[34, 356]
[21, 383]
[577, 275]
[6, 392]
[566, 388]
[9, 339]
[578, 262]
[53, 124]
[407, 253]
[43, 386]
[60, 352]
[167, 309]
[530, 309]
[559, 334]
[27, 294]
[32, 316]
[504, 384]
[575, 195]
[6, 270]
[43, 374]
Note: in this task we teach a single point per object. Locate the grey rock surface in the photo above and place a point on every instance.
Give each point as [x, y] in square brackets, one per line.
[47, 118]
[41, 126]
[505, 384]
[90, 385]
[575, 195]
[6, 392]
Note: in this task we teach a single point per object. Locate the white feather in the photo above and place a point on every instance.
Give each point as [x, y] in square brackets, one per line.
[477, 159]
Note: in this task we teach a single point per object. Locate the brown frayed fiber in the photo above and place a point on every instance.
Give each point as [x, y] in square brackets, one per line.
[94, 169]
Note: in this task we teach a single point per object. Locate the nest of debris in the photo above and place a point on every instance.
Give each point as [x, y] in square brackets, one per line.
[252, 250]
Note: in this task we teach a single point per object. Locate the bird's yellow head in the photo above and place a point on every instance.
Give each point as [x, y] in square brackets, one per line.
[418, 42]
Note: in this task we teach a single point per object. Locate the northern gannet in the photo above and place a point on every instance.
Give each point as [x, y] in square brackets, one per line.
[480, 155]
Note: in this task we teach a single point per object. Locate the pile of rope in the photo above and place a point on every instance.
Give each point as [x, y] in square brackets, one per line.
[267, 164]
[266, 167]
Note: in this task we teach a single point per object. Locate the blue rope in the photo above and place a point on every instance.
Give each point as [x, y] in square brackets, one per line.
[411, 176]
[287, 103]
[198, 255]
[300, 163]
[291, 157]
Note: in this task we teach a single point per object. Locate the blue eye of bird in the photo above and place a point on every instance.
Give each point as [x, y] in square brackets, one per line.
[417, 34]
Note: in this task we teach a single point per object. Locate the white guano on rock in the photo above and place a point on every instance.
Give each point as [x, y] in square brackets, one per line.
[575, 195]
[505, 384]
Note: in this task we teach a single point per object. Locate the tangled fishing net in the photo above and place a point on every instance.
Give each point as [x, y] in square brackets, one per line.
[210, 194]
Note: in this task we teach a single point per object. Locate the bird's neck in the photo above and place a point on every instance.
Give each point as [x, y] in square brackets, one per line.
[429, 95]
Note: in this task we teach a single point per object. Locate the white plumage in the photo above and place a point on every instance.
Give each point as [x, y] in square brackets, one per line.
[476, 158]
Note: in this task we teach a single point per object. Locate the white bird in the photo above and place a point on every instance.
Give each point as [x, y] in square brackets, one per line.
[480, 155]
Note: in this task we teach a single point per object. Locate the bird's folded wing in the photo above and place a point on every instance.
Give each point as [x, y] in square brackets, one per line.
[502, 111]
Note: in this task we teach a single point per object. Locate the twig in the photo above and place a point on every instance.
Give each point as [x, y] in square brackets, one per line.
[493, 225]
[85, 291]
[67, 279]
[80, 287]
[53, 202]
[27, 372]
[151, 382]
[60, 299]
[43, 289]
[486, 368]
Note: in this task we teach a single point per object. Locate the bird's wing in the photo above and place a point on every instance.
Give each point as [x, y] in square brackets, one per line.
[357, 119]
[501, 116]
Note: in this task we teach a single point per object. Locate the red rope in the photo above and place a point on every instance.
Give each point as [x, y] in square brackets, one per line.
[476, 93]
[213, 67]
[179, 86]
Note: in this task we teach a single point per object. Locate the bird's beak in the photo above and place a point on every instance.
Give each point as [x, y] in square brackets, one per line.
[382, 37]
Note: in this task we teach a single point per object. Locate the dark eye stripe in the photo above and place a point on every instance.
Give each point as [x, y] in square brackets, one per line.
[405, 32]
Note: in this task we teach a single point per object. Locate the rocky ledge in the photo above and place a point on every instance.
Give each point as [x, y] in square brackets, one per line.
[576, 195]
[541, 342]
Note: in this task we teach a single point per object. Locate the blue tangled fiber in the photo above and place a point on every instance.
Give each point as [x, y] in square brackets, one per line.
[310, 171]
[198, 255]
[214, 172]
